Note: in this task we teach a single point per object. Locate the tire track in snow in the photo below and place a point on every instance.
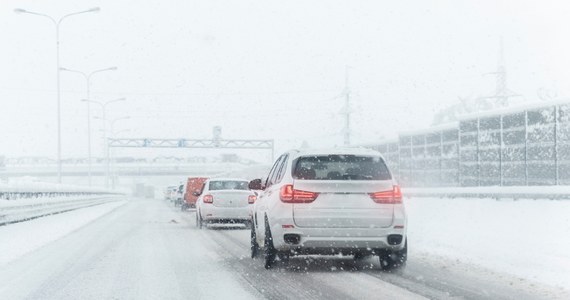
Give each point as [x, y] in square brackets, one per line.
[336, 277]
[303, 278]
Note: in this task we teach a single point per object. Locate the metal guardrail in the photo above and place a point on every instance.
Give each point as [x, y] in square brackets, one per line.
[25, 190]
[29, 211]
[13, 195]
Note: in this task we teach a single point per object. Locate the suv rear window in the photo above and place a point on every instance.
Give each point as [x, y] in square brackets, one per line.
[228, 185]
[341, 167]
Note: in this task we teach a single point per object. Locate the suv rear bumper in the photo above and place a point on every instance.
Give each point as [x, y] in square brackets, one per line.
[337, 240]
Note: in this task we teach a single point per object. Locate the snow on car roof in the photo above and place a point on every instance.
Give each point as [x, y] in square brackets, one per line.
[338, 151]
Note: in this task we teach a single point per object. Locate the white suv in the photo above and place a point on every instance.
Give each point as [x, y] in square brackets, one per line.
[329, 202]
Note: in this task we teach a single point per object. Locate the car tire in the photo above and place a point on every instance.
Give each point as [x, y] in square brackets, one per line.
[248, 224]
[359, 256]
[254, 244]
[268, 249]
[390, 260]
[284, 257]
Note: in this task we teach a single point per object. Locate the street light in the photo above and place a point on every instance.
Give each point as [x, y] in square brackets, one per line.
[104, 118]
[57, 24]
[114, 121]
[87, 77]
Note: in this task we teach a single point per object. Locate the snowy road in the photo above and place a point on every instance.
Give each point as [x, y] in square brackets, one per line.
[146, 249]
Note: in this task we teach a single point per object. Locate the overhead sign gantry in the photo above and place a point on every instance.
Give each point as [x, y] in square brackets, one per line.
[215, 143]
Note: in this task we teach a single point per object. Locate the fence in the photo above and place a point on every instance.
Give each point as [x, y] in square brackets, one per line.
[521, 146]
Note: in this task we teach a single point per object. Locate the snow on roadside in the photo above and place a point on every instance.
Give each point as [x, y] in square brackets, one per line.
[526, 238]
[18, 239]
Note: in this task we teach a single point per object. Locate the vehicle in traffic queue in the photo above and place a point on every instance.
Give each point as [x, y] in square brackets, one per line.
[170, 193]
[337, 201]
[179, 196]
[224, 200]
[192, 191]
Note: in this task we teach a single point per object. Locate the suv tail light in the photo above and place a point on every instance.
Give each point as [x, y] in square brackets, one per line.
[290, 195]
[393, 196]
[208, 199]
[251, 199]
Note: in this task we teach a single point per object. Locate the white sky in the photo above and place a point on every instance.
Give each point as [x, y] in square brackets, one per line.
[266, 69]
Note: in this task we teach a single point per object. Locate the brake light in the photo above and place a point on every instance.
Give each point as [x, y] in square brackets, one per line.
[388, 197]
[208, 199]
[251, 199]
[290, 195]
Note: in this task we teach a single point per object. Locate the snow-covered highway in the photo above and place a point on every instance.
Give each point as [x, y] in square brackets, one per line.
[146, 249]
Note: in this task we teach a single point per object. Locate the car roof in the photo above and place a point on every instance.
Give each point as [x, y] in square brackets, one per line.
[336, 151]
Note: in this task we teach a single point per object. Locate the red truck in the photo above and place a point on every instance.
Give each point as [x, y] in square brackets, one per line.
[193, 188]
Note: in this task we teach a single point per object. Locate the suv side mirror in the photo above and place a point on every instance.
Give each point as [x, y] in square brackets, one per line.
[196, 193]
[255, 185]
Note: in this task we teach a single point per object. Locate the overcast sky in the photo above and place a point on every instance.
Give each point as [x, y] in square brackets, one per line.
[266, 69]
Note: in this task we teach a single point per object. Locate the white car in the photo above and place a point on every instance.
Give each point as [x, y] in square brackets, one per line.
[179, 196]
[329, 202]
[224, 200]
[170, 193]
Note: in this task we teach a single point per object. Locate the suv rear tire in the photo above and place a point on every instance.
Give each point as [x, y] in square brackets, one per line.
[359, 256]
[254, 245]
[390, 260]
[248, 224]
[268, 248]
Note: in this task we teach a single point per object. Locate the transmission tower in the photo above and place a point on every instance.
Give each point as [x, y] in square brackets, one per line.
[502, 92]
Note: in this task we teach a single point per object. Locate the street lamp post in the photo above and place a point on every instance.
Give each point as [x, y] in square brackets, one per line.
[87, 77]
[104, 118]
[57, 24]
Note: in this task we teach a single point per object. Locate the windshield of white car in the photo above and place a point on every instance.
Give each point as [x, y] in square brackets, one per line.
[341, 167]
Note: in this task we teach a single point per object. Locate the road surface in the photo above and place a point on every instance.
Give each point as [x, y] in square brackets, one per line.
[147, 249]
